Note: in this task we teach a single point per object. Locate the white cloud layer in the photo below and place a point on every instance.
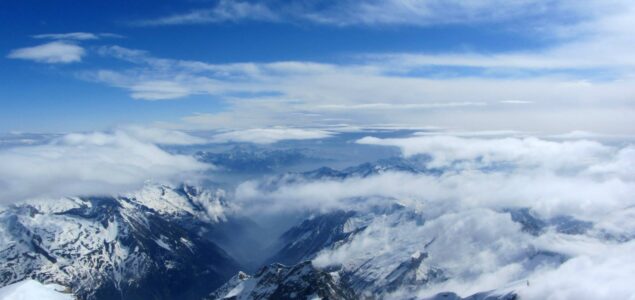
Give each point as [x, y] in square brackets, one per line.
[521, 152]
[582, 81]
[464, 213]
[270, 135]
[605, 274]
[51, 53]
[93, 164]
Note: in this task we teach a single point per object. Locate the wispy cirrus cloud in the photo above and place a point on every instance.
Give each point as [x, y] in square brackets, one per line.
[224, 11]
[587, 72]
[158, 90]
[301, 93]
[373, 13]
[76, 36]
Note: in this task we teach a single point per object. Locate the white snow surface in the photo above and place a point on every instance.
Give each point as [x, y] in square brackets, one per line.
[33, 290]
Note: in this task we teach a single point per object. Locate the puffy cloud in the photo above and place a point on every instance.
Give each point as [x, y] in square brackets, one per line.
[270, 135]
[606, 274]
[464, 212]
[92, 163]
[521, 152]
[491, 239]
[52, 53]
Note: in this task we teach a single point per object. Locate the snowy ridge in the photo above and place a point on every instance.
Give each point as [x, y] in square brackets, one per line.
[203, 204]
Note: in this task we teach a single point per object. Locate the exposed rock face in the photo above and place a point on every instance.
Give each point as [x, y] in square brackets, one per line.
[277, 281]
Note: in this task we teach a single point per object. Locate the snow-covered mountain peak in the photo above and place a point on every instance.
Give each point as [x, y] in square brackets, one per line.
[277, 281]
[184, 199]
[106, 246]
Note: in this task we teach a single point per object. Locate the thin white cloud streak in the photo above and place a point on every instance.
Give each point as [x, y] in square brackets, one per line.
[485, 133]
[93, 164]
[158, 90]
[162, 136]
[516, 102]
[270, 135]
[391, 106]
[80, 36]
[76, 36]
[51, 53]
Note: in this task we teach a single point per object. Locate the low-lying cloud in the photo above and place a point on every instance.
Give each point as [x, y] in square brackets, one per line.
[465, 209]
[529, 152]
[270, 135]
[99, 163]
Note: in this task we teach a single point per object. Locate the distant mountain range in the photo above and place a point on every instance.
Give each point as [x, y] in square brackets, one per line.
[184, 242]
[251, 159]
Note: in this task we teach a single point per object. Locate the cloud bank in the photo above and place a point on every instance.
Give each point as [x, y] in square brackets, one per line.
[270, 135]
[93, 164]
[465, 209]
[525, 153]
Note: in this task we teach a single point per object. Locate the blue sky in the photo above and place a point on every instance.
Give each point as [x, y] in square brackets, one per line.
[490, 65]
